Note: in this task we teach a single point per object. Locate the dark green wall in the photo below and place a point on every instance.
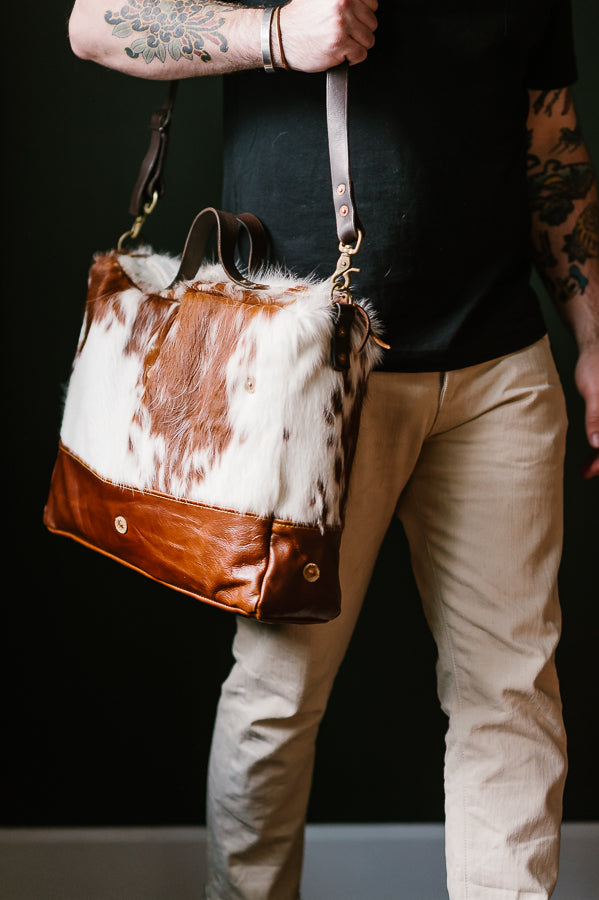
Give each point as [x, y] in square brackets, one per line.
[110, 680]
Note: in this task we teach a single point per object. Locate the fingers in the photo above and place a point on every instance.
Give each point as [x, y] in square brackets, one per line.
[364, 13]
[357, 47]
[360, 24]
[320, 34]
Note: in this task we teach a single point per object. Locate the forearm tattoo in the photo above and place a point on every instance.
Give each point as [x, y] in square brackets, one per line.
[583, 242]
[179, 29]
[553, 190]
[553, 193]
[557, 186]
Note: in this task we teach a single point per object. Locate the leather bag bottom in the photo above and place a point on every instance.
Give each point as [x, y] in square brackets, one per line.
[259, 567]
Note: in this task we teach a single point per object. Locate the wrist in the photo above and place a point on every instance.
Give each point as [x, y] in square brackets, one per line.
[271, 40]
[245, 39]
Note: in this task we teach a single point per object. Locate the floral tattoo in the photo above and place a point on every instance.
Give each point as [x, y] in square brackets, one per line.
[557, 185]
[177, 28]
[553, 190]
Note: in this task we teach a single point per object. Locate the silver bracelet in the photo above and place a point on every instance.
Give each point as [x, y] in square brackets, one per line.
[265, 39]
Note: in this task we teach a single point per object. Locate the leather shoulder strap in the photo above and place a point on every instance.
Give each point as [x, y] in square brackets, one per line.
[150, 179]
[346, 217]
[151, 174]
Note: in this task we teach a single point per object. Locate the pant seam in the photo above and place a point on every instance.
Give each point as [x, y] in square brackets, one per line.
[443, 383]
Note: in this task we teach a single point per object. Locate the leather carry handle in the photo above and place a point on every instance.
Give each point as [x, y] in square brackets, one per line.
[227, 236]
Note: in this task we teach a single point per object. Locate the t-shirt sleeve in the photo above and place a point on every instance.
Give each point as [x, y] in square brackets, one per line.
[552, 63]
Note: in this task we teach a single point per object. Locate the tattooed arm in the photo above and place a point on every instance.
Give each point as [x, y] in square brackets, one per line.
[171, 39]
[565, 211]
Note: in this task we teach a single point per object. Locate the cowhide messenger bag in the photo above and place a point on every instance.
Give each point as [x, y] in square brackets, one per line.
[211, 417]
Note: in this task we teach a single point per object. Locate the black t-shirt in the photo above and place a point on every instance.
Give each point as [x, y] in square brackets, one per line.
[437, 118]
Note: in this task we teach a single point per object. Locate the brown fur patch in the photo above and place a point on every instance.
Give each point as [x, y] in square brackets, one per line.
[152, 323]
[185, 396]
[106, 281]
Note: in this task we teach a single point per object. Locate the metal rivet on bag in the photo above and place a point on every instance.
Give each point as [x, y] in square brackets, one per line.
[311, 572]
[343, 210]
[341, 189]
[250, 385]
[120, 523]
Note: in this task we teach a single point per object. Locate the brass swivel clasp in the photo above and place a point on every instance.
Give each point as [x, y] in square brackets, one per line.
[341, 279]
[133, 232]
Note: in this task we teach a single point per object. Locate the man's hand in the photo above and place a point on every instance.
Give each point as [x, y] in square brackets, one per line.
[188, 38]
[320, 34]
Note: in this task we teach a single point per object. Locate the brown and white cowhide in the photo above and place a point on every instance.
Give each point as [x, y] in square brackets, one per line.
[215, 393]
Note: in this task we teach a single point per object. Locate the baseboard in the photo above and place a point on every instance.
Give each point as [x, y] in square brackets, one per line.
[343, 862]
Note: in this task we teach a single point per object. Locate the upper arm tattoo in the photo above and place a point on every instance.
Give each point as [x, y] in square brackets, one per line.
[546, 100]
[559, 186]
[177, 28]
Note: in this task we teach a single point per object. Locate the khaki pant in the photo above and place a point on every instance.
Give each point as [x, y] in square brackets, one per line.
[471, 461]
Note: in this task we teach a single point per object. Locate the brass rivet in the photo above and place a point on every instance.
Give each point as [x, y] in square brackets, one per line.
[311, 572]
[343, 211]
[342, 357]
[341, 189]
[250, 385]
[120, 523]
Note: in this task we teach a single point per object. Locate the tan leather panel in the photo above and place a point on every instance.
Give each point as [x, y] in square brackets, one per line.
[252, 566]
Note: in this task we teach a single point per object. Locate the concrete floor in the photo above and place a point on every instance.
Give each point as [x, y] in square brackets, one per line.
[348, 862]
